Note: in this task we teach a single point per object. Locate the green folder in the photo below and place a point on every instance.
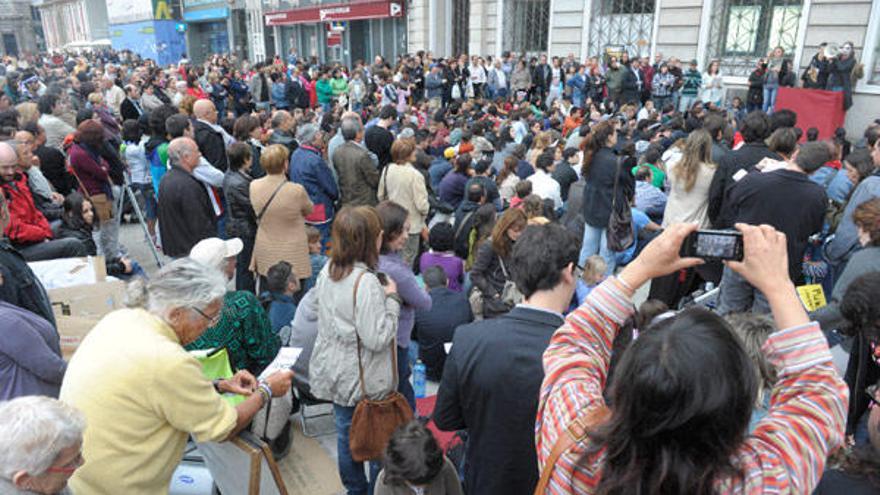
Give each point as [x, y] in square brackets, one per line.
[215, 366]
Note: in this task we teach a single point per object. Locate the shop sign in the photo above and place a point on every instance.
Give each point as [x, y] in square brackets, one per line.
[337, 12]
[206, 14]
[198, 3]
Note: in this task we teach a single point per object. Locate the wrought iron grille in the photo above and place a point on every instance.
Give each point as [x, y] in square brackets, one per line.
[461, 15]
[621, 25]
[526, 26]
[744, 31]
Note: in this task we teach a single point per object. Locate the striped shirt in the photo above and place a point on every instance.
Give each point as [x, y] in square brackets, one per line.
[784, 454]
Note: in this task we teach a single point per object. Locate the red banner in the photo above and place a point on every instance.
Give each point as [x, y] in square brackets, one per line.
[376, 9]
[815, 108]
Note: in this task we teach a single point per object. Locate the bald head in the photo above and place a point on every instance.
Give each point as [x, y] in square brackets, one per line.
[184, 153]
[205, 110]
[282, 120]
[8, 161]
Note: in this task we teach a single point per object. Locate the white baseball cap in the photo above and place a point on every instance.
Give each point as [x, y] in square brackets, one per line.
[212, 251]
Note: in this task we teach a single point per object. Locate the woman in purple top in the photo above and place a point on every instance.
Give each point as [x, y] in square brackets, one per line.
[441, 254]
[452, 186]
[395, 229]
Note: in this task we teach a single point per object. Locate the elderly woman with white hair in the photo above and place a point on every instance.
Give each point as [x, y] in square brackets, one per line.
[144, 394]
[40, 445]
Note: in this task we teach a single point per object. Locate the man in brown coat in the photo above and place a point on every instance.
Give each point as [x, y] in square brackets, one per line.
[358, 176]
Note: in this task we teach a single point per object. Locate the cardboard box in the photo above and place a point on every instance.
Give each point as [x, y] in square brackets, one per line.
[70, 272]
[78, 309]
[80, 295]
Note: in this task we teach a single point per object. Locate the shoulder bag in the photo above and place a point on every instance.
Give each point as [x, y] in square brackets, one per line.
[510, 295]
[266, 206]
[374, 421]
[101, 203]
[620, 231]
[574, 433]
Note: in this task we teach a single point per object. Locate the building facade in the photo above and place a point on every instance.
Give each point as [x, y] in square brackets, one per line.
[335, 31]
[20, 29]
[67, 22]
[736, 32]
[150, 29]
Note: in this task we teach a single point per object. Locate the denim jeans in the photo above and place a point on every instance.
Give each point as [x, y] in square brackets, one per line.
[404, 370]
[596, 242]
[769, 99]
[738, 296]
[351, 472]
[686, 102]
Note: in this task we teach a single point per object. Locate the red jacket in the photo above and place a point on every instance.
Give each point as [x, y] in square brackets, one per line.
[26, 224]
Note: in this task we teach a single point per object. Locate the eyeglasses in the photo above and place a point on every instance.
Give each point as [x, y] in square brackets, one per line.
[211, 320]
[872, 394]
[70, 467]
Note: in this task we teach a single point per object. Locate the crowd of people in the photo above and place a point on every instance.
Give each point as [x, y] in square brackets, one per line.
[375, 215]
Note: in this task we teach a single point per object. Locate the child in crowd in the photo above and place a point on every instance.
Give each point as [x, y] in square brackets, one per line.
[415, 465]
[135, 155]
[594, 274]
[315, 257]
[649, 311]
[281, 285]
[523, 189]
[440, 239]
[753, 330]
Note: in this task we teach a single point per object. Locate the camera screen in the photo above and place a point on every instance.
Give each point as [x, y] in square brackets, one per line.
[716, 246]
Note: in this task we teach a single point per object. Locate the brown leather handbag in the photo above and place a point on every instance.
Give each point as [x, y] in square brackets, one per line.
[374, 421]
[575, 433]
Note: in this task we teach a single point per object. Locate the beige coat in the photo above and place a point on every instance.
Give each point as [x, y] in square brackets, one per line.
[406, 187]
[281, 233]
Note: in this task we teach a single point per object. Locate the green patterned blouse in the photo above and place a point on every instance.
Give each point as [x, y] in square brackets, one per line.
[245, 331]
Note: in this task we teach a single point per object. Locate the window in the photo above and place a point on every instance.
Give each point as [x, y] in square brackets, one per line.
[744, 31]
[871, 54]
[874, 76]
[461, 15]
[526, 26]
[618, 25]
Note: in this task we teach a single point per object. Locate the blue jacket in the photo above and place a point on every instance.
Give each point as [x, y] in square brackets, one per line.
[309, 169]
[434, 85]
[438, 169]
[846, 238]
[281, 309]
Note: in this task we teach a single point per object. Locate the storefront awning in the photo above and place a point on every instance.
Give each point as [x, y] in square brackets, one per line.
[336, 12]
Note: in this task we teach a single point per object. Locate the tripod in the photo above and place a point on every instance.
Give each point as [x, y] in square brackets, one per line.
[120, 203]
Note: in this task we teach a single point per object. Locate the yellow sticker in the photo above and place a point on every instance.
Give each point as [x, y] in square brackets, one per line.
[812, 296]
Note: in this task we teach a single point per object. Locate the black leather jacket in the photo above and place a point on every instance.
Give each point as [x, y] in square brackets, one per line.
[241, 220]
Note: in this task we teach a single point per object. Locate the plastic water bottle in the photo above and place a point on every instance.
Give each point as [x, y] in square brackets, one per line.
[419, 379]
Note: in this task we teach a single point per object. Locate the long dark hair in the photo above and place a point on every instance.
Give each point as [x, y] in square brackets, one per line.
[593, 142]
[682, 398]
[393, 217]
[72, 215]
